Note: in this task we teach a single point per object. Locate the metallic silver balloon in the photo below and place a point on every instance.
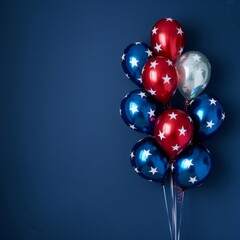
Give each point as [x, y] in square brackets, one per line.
[194, 72]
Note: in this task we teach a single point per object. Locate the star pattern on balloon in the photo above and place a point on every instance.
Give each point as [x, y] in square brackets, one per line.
[212, 101]
[193, 179]
[173, 116]
[153, 64]
[210, 124]
[166, 79]
[182, 131]
[170, 63]
[154, 30]
[196, 57]
[161, 135]
[151, 113]
[152, 92]
[132, 155]
[149, 53]
[142, 94]
[153, 170]
[146, 153]
[132, 126]
[158, 47]
[179, 31]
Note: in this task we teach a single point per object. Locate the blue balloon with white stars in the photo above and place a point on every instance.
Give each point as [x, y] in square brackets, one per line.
[192, 167]
[140, 111]
[208, 115]
[133, 59]
[149, 161]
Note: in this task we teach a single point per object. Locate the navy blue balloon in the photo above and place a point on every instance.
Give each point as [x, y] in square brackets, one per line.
[140, 111]
[133, 59]
[208, 115]
[192, 167]
[149, 161]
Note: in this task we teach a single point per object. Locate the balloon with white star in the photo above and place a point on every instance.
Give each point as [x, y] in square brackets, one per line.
[133, 59]
[149, 161]
[194, 72]
[192, 166]
[208, 115]
[140, 111]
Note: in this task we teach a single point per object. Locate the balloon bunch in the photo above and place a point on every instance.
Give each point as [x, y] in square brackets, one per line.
[173, 147]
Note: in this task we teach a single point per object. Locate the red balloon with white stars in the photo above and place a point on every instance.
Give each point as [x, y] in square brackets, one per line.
[168, 38]
[160, 78]
[173, 131]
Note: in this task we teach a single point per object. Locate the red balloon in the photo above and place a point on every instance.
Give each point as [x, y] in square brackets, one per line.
[173, 131]
[160, 78]
[168, 38]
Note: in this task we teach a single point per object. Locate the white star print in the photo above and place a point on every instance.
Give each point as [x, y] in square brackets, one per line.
[120, 111]
[169, 19]
[127, 75]
[193, 180]
[153, 170]
[180, 50]
[132, 126]
[146, 153]
[134, 108]
[152, 92]
[212, 101]
[182, 131]
[180, 31]
[123, 57]
[132, 155]
[153, 64]
[158, 47]
[126, 95]
[175, 148]
[199, 72]
[154, 30]
[139, 79]
[136, 170]
[142, 94]
[188, 163]
[210, 124]
[161, 135]
[137, 43]
[196, 58]
[134, 62]
[223, 116]
[172, 167]
[151, 113]
[143, 70]
[172, 115]
[169, 62]
[149, 53]
[166, 79]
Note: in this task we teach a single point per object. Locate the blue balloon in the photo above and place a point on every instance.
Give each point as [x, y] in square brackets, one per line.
[192, 167]
[140, 111]
[208, 115]
[133, 59]
[149, 161]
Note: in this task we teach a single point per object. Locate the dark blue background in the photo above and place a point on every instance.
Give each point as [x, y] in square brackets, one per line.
[64, 150]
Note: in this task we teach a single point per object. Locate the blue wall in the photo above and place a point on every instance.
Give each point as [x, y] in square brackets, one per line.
[64, 150]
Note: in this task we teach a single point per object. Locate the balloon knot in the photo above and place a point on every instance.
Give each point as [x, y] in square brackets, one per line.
[186, 105]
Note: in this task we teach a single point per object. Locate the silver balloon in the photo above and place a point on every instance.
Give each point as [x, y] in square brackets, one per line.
[194, 72]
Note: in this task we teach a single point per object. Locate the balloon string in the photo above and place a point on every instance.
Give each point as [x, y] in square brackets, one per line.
[173, 208]
[186, 105]
[166, 205]
[180, 217]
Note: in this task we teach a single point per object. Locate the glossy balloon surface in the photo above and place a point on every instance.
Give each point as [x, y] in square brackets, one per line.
[140, 111]
[149, 161]
[133, 59]
[160, 78]
[194, 71]
[208, 115]
[174, 131]
[192, 166]
[168, 38]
